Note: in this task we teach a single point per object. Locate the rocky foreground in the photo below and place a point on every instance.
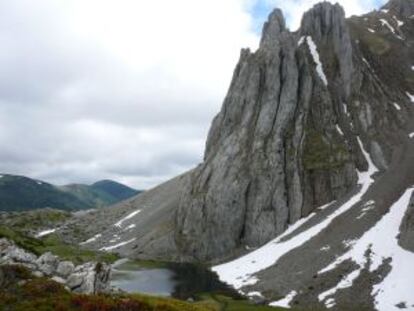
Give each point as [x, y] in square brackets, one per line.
[43, 283]
[88, 278]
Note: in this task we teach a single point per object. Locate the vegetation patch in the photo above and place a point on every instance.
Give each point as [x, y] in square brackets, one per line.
[41, 294]
[31, 244]
[23, 293]
[318, 154]
[35, 220]
[52, 243]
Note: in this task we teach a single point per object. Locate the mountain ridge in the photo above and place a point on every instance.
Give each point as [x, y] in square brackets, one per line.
[24, 193]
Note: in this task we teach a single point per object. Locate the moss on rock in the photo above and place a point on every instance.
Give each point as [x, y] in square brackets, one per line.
[319, 154]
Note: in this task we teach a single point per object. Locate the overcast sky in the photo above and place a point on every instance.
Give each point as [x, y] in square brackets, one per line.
[121, 89]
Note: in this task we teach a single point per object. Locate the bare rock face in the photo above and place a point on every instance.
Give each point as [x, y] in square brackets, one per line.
[90, 278]
[406, 238]
[9, 253]
[404, 8]
[286, 139]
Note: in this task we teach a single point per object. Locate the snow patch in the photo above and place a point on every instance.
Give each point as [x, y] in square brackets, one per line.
[398, 107]
[316, 58]
[119, 223]
[325, 248]
[385, 23]
[411, 97]
[92, 239]
[411, 135]
[371, 30]
[45, 232]
[385, 11]
[132, 226]
[339, 130]
[116, 237]
[285, 302]
[301, 40]
[108, 248]
[255, 294]
[370, 205]
[321, 208]
[241, 271]
[382, 242]
[399, 23]
[330, 303]
[348, 243]
[346, 282]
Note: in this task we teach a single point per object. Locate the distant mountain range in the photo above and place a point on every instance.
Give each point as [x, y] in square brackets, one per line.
[18, 193]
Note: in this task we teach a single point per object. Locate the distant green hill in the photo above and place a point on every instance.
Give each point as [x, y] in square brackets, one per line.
[116, 190]
[18, 193]
[101, 193]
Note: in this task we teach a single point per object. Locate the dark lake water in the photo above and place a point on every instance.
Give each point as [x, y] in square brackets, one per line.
[180, 281]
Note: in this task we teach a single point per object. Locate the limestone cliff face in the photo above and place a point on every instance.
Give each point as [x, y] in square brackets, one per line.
[286, 139]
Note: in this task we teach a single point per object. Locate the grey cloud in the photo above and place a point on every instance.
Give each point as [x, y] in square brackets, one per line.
[72, 110]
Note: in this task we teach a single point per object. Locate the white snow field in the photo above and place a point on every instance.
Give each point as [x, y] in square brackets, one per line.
[381, 239]
[119, 223]
[45, 232]
[108, 248]
[92, 239]
[241, 271]
[284, 303]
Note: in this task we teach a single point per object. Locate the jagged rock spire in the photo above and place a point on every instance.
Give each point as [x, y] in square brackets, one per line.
[272, 29]
[326, 24]
[254, 180]
[287, 138]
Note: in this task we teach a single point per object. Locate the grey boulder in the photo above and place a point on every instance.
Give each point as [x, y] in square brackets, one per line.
[90, 278]
[65, 268]
[48, 263]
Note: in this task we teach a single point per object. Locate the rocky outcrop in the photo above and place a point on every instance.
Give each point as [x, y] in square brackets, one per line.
[406, 238]
[286, 139]
[403, 8]
[89, 278]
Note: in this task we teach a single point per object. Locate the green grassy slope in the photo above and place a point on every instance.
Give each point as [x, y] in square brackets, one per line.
[19, 193]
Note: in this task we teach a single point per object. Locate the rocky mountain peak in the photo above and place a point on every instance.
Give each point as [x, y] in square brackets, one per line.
[291, 136]
[272, 29]
[326, 24]
[324, 19]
